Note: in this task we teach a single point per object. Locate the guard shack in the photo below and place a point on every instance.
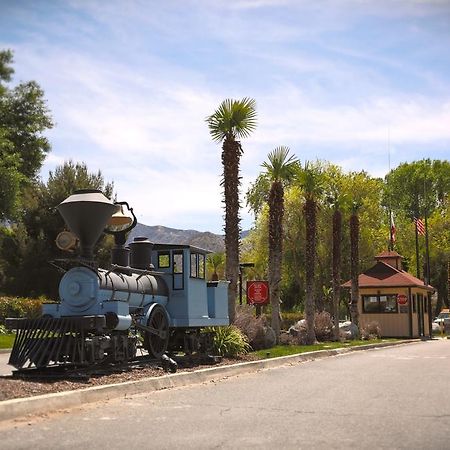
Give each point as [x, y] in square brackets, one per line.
[397, 300]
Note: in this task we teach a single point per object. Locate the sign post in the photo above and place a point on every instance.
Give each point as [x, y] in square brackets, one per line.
[258, 294]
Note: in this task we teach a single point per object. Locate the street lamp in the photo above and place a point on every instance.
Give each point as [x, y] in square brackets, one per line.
[241, 267]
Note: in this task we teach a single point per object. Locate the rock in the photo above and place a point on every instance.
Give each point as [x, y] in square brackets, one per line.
[349, 327]
[269, 337]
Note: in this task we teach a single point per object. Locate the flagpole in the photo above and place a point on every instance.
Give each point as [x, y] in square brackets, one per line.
[427, 250]
[417, 251]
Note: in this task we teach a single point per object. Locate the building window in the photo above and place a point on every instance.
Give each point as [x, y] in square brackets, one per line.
[414, 304]
[380, 304]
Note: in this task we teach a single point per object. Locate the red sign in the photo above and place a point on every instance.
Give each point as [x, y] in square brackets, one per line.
[258, 292]
[402, 299]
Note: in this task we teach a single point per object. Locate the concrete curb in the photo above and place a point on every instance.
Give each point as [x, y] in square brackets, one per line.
[10, 409]
[5, 350]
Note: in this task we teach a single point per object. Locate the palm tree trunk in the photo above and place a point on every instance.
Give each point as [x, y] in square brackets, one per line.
[337, 237]
[276, 210]
[354, 267]
[310, 263]
[230, 159]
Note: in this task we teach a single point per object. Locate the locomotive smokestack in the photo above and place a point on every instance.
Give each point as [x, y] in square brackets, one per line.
[86, 213]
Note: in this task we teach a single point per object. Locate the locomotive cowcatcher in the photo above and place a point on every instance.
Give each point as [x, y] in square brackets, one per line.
[156, 293]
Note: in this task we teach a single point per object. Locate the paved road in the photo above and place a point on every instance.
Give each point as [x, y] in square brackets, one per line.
[397, 397]
[5, 369]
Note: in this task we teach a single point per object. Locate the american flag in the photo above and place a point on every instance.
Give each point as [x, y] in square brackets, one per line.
[420, 226]
[393, 228]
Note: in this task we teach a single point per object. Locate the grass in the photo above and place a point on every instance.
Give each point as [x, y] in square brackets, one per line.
[285, 350]
[7, 340]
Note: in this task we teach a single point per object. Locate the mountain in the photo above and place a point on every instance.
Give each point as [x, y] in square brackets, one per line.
[164, 235]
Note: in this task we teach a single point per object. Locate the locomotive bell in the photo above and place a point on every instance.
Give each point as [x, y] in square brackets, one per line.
[86, 213]
[119, 219]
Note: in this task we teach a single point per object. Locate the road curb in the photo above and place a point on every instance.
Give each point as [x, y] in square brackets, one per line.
[11, 409]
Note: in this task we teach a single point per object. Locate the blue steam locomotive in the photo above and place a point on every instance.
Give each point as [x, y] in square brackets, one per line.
[155, 293]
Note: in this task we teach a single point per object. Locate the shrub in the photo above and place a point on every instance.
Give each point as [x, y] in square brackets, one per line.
[371, 331]
[20, 307]
[229, 341]
[256, 330]
[3, 330]
[323, 326]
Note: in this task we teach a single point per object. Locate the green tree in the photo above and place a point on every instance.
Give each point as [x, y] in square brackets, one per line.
[280, 169]
[31, 245]
[24, 117]
[233, 120]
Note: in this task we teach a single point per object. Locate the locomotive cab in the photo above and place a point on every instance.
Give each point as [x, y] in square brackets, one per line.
[192, 301]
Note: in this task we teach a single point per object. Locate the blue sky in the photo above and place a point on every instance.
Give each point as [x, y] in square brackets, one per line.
[129, 84]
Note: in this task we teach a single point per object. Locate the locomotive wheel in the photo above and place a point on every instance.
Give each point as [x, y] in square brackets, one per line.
[156, 342]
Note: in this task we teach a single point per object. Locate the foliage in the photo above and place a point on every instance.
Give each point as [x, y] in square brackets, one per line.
[323, 326]
[28, 246]
[254, 328]
[230, 341]
[29, 308]
[234, 119]
[371, 331]
[214, 266]
[24, 117]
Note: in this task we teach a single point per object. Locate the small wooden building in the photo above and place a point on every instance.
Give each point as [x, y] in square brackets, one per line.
[397, 300]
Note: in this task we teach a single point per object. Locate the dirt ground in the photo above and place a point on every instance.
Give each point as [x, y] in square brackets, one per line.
[14, 387]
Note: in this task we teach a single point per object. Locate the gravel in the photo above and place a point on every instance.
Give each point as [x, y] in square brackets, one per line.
[14, 387]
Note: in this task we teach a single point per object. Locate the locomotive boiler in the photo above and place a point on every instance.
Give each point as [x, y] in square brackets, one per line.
[154, 293]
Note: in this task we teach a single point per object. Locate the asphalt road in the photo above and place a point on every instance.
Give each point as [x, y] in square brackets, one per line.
[5, 369]
[397, 397]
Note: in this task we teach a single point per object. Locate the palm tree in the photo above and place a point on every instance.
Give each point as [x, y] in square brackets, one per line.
[354, 262]
[233, 120]
[214, 262]
[311, 183]
[280, 168]
[336, 264]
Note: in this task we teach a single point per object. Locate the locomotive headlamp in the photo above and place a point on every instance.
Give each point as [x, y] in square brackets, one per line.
[66, 241]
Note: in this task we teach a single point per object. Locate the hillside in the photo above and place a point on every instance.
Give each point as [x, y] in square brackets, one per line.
[164, 235]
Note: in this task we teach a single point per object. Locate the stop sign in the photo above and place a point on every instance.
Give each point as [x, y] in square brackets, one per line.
[402, 299]
[258, 292]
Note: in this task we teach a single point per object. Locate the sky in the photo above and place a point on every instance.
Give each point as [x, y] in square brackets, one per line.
[362, 84]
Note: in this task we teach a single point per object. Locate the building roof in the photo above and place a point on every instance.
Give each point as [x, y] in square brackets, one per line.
[388, 254]
[384, 275]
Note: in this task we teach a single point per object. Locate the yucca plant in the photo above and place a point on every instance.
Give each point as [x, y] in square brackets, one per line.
[229, 341]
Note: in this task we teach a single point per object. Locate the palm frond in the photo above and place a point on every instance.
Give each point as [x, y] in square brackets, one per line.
[280, 165]
[233, 117]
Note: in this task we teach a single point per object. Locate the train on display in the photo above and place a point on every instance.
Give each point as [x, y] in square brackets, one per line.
[156, 294]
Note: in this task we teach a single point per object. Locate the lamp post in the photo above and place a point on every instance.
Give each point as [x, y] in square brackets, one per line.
[241, 267]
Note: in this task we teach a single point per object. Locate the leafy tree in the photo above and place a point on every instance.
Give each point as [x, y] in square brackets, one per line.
[233, 120]
[280, 169]
[24, 117]
[31, 245]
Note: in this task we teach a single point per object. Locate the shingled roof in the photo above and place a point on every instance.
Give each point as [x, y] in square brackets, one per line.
[384, 275]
